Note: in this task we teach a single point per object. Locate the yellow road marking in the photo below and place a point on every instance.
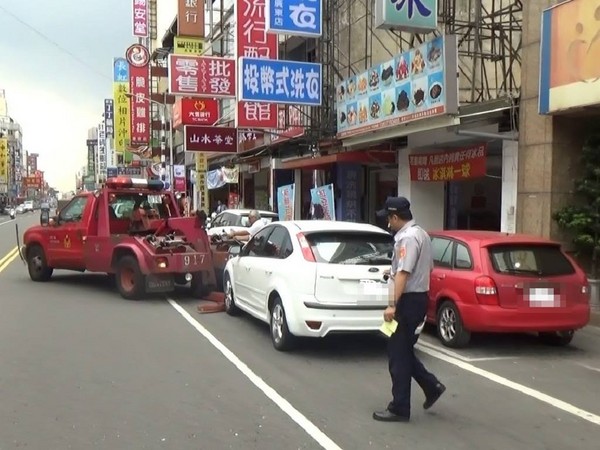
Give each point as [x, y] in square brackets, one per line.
[8, 256]
[6, 262]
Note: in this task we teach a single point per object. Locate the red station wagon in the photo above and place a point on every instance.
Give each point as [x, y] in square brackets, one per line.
[504, 283]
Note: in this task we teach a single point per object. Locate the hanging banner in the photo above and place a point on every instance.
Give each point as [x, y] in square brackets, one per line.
[190, 18]
[285, 202]
[179, 178]
[323, 202]
[3, 161]
[122, 124]
[215, 179]
[140, 18]
[454, 165]
[201, 168]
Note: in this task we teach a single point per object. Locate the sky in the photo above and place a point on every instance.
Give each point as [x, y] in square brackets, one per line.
[55, 85]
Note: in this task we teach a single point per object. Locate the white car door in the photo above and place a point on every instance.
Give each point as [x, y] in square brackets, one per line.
[249, 266]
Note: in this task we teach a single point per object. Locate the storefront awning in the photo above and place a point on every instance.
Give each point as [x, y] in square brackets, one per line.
[359, 157]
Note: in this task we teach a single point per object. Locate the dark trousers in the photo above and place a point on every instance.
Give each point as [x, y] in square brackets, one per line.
[403, 363]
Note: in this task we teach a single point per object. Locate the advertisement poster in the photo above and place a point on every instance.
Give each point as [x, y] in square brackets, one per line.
[323, 202]
[285, 202]
[179, 176]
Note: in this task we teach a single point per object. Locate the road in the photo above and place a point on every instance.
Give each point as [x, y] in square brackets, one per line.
[82, 368]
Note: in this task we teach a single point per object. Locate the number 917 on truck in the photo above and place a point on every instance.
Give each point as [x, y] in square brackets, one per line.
[133, 231]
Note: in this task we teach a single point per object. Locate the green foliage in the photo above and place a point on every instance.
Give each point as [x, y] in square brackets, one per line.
[582, 220]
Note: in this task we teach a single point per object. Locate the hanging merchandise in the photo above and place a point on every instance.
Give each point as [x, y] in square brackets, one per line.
[215, 179]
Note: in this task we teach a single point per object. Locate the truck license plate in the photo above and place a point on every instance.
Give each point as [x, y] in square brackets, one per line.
[156, 284]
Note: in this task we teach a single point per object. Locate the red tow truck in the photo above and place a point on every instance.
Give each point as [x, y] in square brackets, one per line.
[131, 230]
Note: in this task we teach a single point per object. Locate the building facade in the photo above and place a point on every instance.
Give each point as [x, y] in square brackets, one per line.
[12, 165]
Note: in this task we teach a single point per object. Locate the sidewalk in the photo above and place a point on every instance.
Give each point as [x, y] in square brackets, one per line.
[595, 318]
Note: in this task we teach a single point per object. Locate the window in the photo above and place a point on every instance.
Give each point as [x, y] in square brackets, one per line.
[229, 220]
[123, 205]
[277, 240]
[462, 258]
[217, 221]
[256, 246]
[73, 212]
[442, 252]
[352, 248]
[534, 260]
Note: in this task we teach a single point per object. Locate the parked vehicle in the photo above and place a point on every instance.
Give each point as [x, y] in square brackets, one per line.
[149, 251]
[311, 278]
[28, 206]
[499, 282]
[12, 212]
[236, 220]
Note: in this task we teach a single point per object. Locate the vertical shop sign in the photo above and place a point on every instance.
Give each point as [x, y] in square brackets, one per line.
[3, 161]
[253, 41]
[190, 18]
[139, 85]
[102, 163]
[349, 183]
[179, 178]
[323, 202]
[285, 202]
[109, 118]
[122, 104]
[140, 18]
[201, 169]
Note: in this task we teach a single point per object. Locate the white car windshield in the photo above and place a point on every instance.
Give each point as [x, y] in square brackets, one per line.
[246, 222]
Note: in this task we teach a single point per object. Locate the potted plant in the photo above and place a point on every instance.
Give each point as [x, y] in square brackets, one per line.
[582, 219]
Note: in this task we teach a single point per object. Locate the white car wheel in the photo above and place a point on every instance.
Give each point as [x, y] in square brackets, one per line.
[280, 334]
[230, 306]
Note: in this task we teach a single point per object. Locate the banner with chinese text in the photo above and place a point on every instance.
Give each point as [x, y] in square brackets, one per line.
[190, 18]
[140, 18]
[3, 161]
[285, 202]
[122, 125]
[201, 76]
[201, 169]
[323, 202]
[253, 41]
[139, 86]
[452, 165]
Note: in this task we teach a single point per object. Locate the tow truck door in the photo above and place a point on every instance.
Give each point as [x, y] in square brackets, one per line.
[67, 251]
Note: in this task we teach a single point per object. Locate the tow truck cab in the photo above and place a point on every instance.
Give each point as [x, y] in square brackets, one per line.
[132, 230]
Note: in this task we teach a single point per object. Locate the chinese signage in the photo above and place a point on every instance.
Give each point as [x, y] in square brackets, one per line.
[285, 202]
[130, 171]
[274, 81]
[290, 123]
[569, 69]
[188, 46]
[139, 86]
[33, 182]
[449, 166]
[3, 161]
[210, 139]
[295, 17]
[102, 162]
[179, 177]
[190, 18]
[323, 202]
[349, 183]
[92, 144]
[207, 76]
[253, 41]
[195, 111]
[416, 84]
[140, 18]
[201, 169]
[418, 16]
[109, 118]
[32, 161]
[121, 104]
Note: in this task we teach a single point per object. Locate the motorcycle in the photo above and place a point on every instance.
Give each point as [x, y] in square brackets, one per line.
[12, 213]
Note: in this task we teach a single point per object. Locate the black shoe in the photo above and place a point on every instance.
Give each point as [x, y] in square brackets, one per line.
[388, 416]
[433, 397]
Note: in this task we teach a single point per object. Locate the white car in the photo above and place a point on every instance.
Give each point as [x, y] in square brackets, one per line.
[311, 278]
[236, 220]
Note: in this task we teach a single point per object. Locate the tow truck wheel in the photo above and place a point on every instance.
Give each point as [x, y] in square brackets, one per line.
[37, 265]
[129, 278]
[197, 285]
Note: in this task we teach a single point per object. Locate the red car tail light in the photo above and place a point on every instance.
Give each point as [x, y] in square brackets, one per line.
[306, 250]
[486, 291]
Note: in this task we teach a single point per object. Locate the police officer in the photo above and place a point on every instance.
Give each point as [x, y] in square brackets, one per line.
[411, 267]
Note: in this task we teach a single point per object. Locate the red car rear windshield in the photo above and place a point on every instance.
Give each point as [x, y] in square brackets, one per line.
[352, 247]
[534, 260]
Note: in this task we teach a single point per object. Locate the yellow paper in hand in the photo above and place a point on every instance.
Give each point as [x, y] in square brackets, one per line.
[389, 328]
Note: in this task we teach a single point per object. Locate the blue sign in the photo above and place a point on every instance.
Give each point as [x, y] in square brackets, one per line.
[295, 17]
[285, 202]
[121, 70]
[112, 172]
[349, 183]
[406, 15]
[323, 202]
[129, 171]
[274, 81]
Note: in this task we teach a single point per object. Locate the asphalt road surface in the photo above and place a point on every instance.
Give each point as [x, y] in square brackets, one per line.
[83, 369]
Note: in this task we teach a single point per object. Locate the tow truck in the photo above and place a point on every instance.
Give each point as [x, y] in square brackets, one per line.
[132, 230]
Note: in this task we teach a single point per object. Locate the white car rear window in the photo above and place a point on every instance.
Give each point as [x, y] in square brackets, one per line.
[352, 247]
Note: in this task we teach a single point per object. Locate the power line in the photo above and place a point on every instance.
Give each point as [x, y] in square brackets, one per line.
[55, 44]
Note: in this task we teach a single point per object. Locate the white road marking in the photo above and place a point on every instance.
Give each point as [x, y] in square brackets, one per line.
[311, 429]
[453, 354]
[7, 221]
[555, 402]
[593, 369]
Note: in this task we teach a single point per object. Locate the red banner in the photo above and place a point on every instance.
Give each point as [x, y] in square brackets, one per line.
[195, 111]
[139, 86]
[454, 165]
[253, 41]
[210, 139]
[140, 18]
[289, 125]
[201, 76]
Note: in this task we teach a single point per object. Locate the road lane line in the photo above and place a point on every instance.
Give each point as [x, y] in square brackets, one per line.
[7, 221]
[452, 354]
[8, 255]
[7, 262]
[545, 398]
[311, 429]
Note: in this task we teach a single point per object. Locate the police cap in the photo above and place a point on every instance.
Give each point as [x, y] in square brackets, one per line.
[394, 205]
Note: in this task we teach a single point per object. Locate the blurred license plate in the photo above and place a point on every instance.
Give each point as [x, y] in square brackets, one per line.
[542, 297]
[372, 287]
